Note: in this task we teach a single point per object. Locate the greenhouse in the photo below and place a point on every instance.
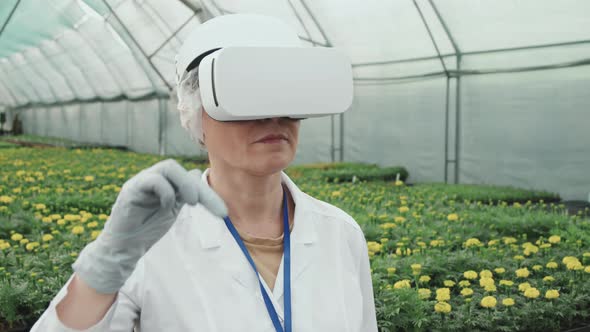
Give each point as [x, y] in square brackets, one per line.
[462, 159]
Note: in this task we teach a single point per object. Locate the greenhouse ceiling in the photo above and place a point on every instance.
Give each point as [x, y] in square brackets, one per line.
[70, 51]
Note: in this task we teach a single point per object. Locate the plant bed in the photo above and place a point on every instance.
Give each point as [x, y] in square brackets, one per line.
[54, 201]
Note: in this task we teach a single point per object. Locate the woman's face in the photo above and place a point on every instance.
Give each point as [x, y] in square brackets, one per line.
[239, 144]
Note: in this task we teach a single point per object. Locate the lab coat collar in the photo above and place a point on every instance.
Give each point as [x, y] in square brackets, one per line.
[217, 241]
[303, 227]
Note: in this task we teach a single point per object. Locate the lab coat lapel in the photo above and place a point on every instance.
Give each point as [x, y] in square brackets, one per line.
[219, 245]
[303, 237]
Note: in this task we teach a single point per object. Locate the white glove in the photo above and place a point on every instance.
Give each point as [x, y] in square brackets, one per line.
[144, 211]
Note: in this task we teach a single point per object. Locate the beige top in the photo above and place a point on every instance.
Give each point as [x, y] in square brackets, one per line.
[266, 253]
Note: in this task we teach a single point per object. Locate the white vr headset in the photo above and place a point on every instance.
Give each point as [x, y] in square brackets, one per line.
[254, 67]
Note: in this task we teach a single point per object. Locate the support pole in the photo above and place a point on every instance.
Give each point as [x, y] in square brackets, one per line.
[458, 122]
[447, 130]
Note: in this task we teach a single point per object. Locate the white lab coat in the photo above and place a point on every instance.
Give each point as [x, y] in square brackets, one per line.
[196, 278]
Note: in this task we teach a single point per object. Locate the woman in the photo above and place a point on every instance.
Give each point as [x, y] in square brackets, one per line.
[182, 251]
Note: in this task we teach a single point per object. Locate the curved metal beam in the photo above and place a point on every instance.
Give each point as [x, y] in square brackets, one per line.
[147, 58]
[9, 17]
[442, 62]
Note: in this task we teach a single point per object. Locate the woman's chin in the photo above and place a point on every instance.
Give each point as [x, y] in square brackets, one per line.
[272, 164]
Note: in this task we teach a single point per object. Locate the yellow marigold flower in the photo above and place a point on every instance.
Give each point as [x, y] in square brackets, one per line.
[492, 243]
[506, 283]
[436, 243]
[467, 292]
[40, 206]
[500, 270]
[488, 302]
[33, 274]
[391, 270]
[537, 267]
[532, 293]
[387, 225]
[24, 241]
[399, 219]
[552, 294]
[587, 269]
[32, 245]
[470, 275]
[89, 178]
[486, 281]
[47, 237]
[374, 246]
[568, 259]
[403, 209]
[399, 183]
[55, 216]
[6, 199]
[46, 220]
[575, 266]
[442, 307]
[16, 237]
[443, 294]
[416, 267]
[94, 234]
[472, 242]
[102, 216]
[509, 240]
[485, 274]
[71, 217]
[522, 273]
[4, 245]
[40, 281]
[78, 230]
[464, 283]
[516, 205]
[490, 288]
[61, 222]
[424, 293]
[93, 224]
[424, 279]
[586, 254]
[554, 239]
[402, 284]
[524, 286]
[545, 245]
[508, 302]
[74, 254]
[551, 265]
[453, 217]
[518, 257]
[449, 283]
[548, 279]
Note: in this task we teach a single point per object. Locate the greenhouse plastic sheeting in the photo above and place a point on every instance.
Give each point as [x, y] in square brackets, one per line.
[456, 91]
[511, 136]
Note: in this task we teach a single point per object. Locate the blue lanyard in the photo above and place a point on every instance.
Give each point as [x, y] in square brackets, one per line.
[286, 269]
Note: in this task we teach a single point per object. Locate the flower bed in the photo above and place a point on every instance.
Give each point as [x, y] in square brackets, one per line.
[442, 256]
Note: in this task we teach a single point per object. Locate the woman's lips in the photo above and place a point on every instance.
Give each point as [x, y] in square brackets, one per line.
[273, 139]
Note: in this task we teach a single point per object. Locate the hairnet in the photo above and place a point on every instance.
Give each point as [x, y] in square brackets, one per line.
[189, 105]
